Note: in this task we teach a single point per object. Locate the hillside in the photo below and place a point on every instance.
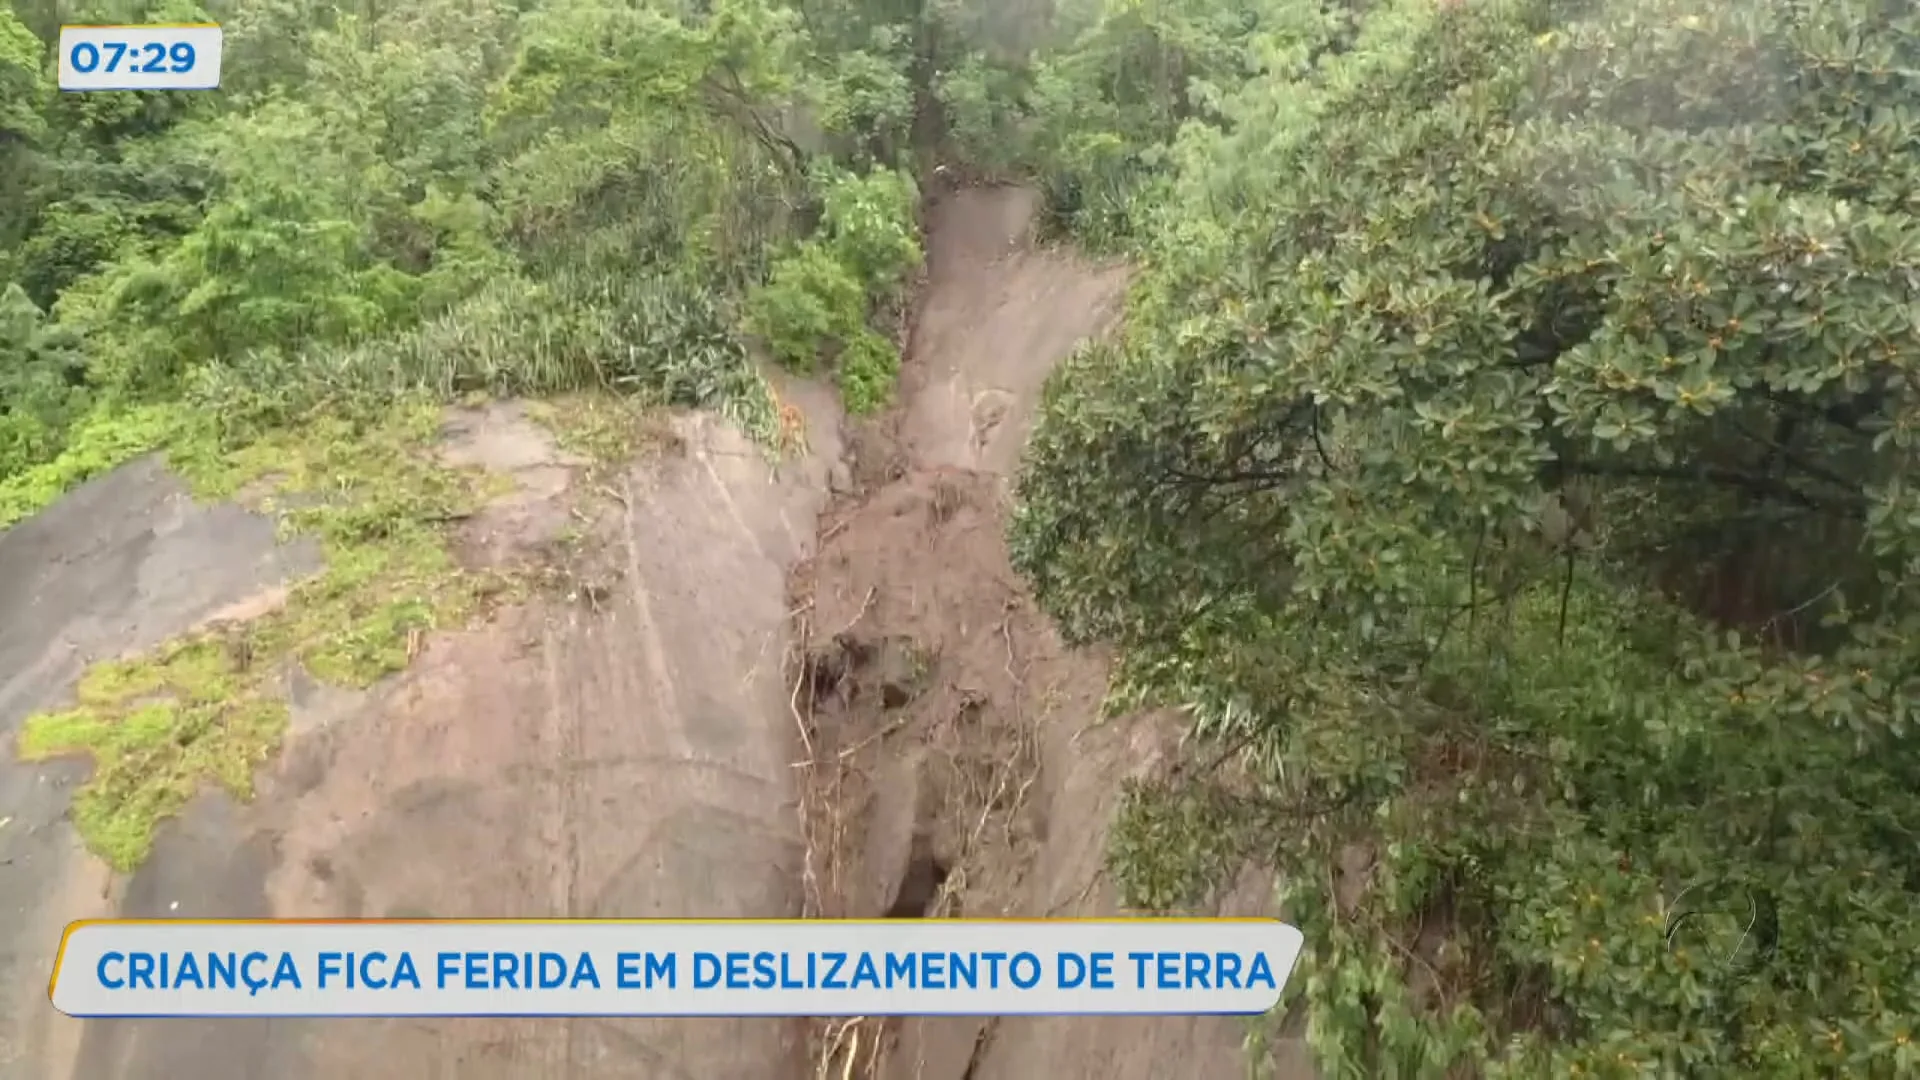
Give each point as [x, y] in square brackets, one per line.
[1469, 516]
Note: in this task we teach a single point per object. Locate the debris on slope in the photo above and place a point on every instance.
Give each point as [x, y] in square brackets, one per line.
[954, 764]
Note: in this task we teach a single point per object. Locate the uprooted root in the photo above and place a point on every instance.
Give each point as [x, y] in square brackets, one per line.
[851, 1048]
[853, 671]
[846, 1048]
[820, 828]
[920, 677]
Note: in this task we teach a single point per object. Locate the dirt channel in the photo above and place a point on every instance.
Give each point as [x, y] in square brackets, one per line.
[957, 763]
[759, 690]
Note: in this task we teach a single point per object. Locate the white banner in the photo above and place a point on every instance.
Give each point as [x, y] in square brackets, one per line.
[901, 967]
[161, 57]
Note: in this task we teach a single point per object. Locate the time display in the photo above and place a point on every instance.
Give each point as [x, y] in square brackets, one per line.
[139, 57]
[178, 57]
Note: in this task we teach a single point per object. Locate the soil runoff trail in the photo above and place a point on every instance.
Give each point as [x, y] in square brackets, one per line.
[627, 745]
[958, 767]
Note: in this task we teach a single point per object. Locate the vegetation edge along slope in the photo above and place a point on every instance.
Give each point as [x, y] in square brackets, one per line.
[1504, 459]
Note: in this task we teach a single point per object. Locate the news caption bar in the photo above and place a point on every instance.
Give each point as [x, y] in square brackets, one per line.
[157, 57]
[179, 968]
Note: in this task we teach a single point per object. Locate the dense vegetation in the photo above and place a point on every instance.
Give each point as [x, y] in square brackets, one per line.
[1504, 459]
[385, 209]
[441, 198]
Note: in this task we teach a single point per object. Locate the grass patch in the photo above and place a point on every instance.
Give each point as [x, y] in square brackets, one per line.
[105, 439]
[209, 707]
[158, 728]
[607, 430]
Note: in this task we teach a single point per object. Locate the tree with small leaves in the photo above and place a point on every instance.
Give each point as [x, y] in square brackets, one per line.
[1507, 455]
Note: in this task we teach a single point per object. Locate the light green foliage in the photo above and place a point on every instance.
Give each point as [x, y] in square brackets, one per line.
[870, 225]
[1506, 457]
[607, 430]
[408, 205]
[23, 81]
[100, 440]
[867, 370]
[209, 708]
[157, 729]
[811, 300]
[822, 295]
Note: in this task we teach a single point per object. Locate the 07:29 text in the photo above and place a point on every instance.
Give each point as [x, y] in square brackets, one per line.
[87, 57]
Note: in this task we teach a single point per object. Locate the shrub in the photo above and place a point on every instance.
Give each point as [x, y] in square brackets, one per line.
[867, 370]
[821, 296]
[1507, 452]
[811, 301]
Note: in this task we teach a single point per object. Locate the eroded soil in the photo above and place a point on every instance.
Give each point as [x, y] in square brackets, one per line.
[958, 765]
[617, 746]
[741, 689]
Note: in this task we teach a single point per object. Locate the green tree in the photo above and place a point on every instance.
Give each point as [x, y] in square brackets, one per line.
[23, 81]
[23, 92]
[1507, 452]
[42, 382]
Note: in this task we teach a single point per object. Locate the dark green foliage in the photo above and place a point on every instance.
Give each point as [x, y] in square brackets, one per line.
[42, 380]
[1508, 450]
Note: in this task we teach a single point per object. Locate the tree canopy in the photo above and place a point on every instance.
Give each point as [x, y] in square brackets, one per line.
[450, 197]
[1508, 452]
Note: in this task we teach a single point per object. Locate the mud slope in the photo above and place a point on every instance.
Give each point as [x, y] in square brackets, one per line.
[958, 770]
[121, 564]
[621, 746]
